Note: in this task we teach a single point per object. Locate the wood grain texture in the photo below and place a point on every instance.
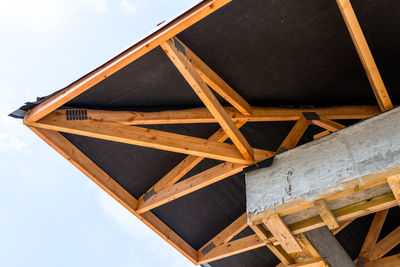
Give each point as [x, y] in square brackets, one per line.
[187, 70]
[365, 55]
[282, 234]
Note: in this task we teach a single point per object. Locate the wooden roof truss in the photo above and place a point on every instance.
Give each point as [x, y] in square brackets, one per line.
[46, 120]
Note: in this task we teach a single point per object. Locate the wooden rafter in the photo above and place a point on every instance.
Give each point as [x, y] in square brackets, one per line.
[225, 235]
[216, 82]
[136, 51]
[321, 134]
[342, 215]
[294, 135]
[232, 248]
[187, 70]
[386, 244]
[184, 166]
[391, 261]
[365, 54]
[102, 179]
[373, 234]
[145, 137]
[280, 253]
[196, 182]
[202, 115]
[329, 125]
[342, 226]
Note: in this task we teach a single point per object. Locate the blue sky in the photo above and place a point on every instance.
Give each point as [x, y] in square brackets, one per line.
[51, 214]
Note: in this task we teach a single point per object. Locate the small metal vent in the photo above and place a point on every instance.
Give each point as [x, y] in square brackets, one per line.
[179, 46]
[76, 114]
[208, 248]
[311, 116]
[148, 195]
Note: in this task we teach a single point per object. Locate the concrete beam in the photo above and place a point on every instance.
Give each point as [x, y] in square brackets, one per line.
[365, 152]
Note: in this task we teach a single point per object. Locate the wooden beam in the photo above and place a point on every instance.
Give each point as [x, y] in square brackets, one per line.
[321, 134]
[216, 82]
[310, 263]
[329, 125]
[145, 137]
[171, 29]
[354, 211]
[365, 54]
[232, 248]
[108, 184]
[342, 215]
[282, 234]
[386, 244]
[373, 234]
[294, 135]
[342, 226]
[194, 183]
[227, 234]
[280, 253]
[391, 261]
[203, 115]
[326, 214]
[185, 166]
[394, 183]
[207, 97]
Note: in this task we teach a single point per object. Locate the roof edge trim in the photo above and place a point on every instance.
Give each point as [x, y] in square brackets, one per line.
[139, 49]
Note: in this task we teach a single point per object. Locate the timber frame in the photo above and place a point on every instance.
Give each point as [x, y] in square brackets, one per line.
[49, 118]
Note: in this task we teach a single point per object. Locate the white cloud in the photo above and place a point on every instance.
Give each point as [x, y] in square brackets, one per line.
[128, 7]
[13, 136]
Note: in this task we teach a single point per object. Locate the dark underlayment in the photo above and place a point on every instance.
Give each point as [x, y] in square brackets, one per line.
[274, 53]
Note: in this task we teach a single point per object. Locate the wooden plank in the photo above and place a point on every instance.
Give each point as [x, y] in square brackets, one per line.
[311, 263]
[228, 233]
[321, 134]
[341, 227]
[391, 261]
[365, 54]
[394, 183]
[373, 234]
[207, 97]
[203, 115]
[342, 215]
[232, 248]
[386, 244]
[194, 183]
[216, 82]
[282, 234]
[145, 137]
[102, 179]
[171, 29]
[326, 214]
[329, 125]
[354, 211]
[280, 253]
[186, 165]
[294, 135]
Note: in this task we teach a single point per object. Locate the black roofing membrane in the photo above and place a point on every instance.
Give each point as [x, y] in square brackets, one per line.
[273, 53]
